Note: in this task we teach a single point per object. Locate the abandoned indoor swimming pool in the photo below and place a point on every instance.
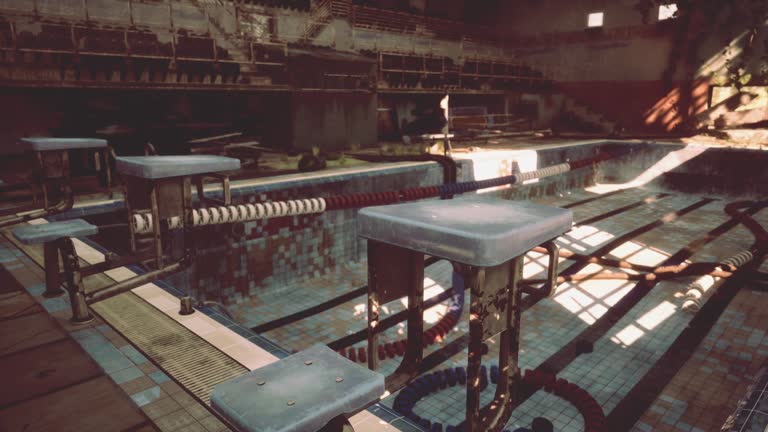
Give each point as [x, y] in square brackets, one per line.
[571, 286]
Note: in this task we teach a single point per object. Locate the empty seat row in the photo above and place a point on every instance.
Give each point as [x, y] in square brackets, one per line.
[51, 37]
[147, 43]
[100, 40]
[284, 4]
[195, 47]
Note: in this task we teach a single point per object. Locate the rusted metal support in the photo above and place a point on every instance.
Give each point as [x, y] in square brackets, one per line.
[394, 273]
[494, 314]
[156, 227]
[190, 251]
[52, 275]
[74, 282]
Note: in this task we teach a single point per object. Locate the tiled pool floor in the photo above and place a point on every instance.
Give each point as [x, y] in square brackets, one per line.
[701, 395]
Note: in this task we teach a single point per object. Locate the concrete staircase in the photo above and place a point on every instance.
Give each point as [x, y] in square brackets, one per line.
[593, 121]
[237, 47]
[320, 16]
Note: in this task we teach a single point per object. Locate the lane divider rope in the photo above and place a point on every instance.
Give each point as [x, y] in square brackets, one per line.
[143, 223]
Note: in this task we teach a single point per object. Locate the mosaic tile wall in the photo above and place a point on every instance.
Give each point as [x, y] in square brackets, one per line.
[234, 263]
[273, 252]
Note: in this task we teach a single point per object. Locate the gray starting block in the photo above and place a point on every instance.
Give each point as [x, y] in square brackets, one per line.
[300, 393]
[58, 144]
[486, 240]
[51, 173]
[56, 238]
[158, 167]
[50, 232]
[161, 187]
[475, 231]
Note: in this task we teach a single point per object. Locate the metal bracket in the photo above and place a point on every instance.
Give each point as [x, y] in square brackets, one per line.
[548, 290]
[225, 186]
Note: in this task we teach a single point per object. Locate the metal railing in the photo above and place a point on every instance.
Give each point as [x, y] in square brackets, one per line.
[71, 34]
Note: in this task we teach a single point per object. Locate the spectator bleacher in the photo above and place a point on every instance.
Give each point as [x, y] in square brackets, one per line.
[195, 47]
[147, 43]
[100, 40]
[429, 72]
[301, 5]
[194, 33]
[45, 36]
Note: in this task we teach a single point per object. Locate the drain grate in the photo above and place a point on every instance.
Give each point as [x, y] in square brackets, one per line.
[192, 361]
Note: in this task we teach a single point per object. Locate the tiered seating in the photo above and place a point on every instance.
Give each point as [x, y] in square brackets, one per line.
[6, 34]
[101, 40]
[403, 70]
[195, 47]
[52, 37]
[302, 5]
[269, 53]
[501, 74]
[409, 70]
[401, 22]
[340, 8]
[147, 43]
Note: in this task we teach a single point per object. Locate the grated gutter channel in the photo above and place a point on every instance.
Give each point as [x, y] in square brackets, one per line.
[191, 360]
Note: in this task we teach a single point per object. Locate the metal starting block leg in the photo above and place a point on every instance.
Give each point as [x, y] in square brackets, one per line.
[74, 282]
[57, 242]
[494, 314]
[393, 273]
[52, 175]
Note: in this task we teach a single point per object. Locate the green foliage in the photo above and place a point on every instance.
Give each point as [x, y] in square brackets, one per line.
[745, 79]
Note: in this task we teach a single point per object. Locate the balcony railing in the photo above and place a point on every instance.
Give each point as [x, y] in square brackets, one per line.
[63, 37]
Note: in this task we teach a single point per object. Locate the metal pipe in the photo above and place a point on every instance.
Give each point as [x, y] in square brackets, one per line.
[52, 276]
[112, 261]
[74, 282]
[61, 207]
[134, 282]
[223, 309]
